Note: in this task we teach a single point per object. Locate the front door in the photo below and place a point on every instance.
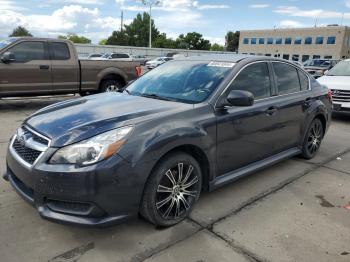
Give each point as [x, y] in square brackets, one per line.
[246, 134]
[29, 73]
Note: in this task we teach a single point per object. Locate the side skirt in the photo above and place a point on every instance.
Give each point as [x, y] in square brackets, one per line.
[252, 168]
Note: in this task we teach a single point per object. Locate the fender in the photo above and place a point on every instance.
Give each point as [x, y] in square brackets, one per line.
[109, 71]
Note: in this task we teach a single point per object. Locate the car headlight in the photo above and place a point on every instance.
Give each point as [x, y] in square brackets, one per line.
[92, 150]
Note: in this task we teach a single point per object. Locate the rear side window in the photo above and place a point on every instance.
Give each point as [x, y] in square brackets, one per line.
[304, 81]
[59, 51]
[287, 78]
[256, 79]
[28, 51]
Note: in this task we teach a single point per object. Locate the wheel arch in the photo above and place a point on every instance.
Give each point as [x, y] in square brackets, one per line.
[111, 74]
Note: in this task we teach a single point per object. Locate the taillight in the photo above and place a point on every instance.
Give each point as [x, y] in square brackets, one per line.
[329, 95]
[138, 70]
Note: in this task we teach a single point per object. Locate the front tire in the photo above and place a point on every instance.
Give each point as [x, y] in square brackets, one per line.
[172, 190]
[313, 139]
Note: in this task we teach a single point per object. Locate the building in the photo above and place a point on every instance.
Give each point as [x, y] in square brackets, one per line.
[298, 44]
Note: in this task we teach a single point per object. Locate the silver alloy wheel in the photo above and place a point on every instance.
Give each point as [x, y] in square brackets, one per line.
[315, 138]
[177, 191]
[112, 88]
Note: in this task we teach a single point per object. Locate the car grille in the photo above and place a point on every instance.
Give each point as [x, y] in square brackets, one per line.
[341, 95]
[29, 145]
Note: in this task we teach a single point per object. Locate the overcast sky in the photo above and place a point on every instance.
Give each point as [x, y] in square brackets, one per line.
[96, 19]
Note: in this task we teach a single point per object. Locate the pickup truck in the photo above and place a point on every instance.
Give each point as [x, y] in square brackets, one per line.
[40, 66]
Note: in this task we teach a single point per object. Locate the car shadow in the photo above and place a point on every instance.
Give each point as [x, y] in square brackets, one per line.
[341, 116]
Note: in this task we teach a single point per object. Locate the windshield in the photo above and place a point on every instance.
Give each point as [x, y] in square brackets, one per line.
[341, 69]
[318, 63]
[5, 42]
[181, 81]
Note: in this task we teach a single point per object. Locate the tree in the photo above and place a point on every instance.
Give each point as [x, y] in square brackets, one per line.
[75, 38]
[217, 47]
[135, 34]
[232, 41]
[20, 31]
[163, 42]
[193, 41]
[103, 42]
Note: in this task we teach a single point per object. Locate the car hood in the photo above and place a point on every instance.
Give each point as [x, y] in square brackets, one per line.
[315, 68]
[336, 82]
[78, 119]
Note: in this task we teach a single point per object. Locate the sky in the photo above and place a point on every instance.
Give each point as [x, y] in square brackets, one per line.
[96, 19]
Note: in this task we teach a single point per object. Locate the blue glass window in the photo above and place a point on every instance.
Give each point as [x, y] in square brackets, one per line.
[308, 40]
[270, 41]
[297, 41]
[319, 40]
[278, 40]
[253, 41]
[331, 40]
[246, 41]
[261, 41]
[288, 41]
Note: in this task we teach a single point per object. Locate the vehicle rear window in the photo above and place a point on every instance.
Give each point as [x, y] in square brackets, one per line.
[28, 51]
[287, 78]
[255, 79]
[59, 51]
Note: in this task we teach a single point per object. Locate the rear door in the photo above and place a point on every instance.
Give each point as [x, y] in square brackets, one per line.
[65, 68]
[247, 134]
[30, 72]
[293, 98]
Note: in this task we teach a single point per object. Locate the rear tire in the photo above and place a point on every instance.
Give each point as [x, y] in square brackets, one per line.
[313, 139]
[111, 85]
[171, 190]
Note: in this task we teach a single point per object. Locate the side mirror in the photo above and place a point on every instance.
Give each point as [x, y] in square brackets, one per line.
[239, 98]
[7, 57]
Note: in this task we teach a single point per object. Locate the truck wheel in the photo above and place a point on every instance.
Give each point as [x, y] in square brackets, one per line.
[111, 86]
[171, 190]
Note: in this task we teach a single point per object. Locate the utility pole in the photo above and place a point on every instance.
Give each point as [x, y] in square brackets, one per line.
[121, 21]
[150, 3]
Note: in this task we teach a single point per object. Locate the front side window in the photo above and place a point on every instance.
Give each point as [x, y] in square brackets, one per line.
[28, 51]
[181, 81]
[331, 40]
[278, 41]
[60, 51]
[288, 41]
[297, 41]
[255, 79]
[308, 40]
[319, 40]
[246, 41]
[287, 78]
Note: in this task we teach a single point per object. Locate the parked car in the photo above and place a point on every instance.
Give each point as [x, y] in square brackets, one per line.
[39, 66]
[337, 79]
[157, 62]
[317, 67]
[101, 56]
[141, 59]
[187, 126]
[120, 57]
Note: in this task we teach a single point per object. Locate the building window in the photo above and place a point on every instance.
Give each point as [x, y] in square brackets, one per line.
[278, 40]
[319, 40]
[286, 57]
[253, 41]
[288, 41]
[246, 41]
[268, 55]
[297, 41]
[305, 58]
[331, 40]
[261, 41]
[328, 57]
[295, 57]
[316, 57]
[308, 40]
[270, 41]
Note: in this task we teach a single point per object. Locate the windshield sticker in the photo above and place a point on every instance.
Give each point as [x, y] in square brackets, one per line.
[221, 64]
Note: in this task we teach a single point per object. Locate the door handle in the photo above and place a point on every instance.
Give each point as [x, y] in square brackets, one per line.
[271, 111]
[44, 67]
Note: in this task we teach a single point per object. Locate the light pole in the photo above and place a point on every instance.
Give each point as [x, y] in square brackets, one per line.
[150, 3]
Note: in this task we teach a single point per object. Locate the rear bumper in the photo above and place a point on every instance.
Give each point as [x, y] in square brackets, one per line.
[100, 195]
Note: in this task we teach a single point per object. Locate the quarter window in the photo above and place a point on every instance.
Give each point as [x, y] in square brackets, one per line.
[59, 51]
[304, 81]
[28, 51]
[287, 78]
[255, 79]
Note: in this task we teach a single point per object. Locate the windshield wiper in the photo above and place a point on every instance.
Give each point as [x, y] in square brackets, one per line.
[126, 90]
[155, 96]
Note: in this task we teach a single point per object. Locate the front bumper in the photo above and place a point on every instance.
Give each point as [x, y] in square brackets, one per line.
[341, 106]
[98, 195]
